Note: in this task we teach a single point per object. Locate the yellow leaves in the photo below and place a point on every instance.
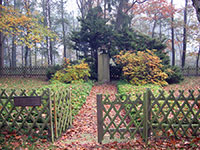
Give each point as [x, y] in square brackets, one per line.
[71, 73]
[142, 67]
[25, 27]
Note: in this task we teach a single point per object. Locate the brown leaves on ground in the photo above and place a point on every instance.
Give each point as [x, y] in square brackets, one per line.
[83, 134]
[189, 83]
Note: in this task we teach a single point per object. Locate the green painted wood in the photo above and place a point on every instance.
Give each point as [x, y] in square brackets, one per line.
[99, 118]
[155, 115]
[53, 116]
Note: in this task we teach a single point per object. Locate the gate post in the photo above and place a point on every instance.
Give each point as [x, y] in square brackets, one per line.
[99, 118]
[146, 110]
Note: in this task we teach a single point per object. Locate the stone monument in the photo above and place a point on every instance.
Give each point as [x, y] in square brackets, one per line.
[103, 68]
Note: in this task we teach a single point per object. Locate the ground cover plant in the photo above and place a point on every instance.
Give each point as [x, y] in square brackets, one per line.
[79, 92]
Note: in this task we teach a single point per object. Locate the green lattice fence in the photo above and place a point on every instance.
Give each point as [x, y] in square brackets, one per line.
[42, 113]
[174, 115]
[190, 71]
[34, 71]
[149, 115]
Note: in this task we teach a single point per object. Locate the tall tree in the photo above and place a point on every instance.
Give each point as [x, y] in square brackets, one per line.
[63, 30]
[197, 60]
[27, 48]
[94, 36]
[14, 49]
[123, 8]
[25, 27]
[50, 40]
[196, 4]
[155, 12]
[172, 35]
[84, 6]
[1, 41]
[184, 34]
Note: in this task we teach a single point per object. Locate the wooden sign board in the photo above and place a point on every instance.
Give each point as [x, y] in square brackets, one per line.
[27, 101]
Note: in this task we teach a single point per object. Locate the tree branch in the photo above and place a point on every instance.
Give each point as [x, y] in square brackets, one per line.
[133, 3]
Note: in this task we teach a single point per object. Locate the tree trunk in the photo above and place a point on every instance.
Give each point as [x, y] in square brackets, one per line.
[119, 17]
[104, 13]
[22, 55]
[27, 49]
[13, 64]
[14, 46]
[45, 14]
[160, 34]
[63, 30]
[172, 34]
[197, 62]
[1, 44]
[30, 58]
[50, 42]
[153, 29]
[184, 34]
[26, 55]
[196, 4]
[42, 59]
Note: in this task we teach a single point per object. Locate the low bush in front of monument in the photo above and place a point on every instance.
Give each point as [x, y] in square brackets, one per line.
[73, 72]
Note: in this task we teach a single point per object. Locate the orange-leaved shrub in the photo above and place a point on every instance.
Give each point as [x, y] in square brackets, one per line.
[142, 67]
[71, 73]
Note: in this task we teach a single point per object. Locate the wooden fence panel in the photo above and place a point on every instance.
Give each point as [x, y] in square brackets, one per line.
[25, 119]
[175, 115]
[47, 118]
[158, 116]
[113, 116]
[23, 71]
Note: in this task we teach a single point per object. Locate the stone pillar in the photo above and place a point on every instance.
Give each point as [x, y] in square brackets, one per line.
[103, 68]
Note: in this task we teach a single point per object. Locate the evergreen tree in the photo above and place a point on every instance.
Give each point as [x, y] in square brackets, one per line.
[94, 36]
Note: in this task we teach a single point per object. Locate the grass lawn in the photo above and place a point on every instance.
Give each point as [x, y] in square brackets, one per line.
[21, 83]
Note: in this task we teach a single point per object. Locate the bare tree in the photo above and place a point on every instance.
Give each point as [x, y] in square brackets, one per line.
[172, 35]
[14, 55]
[123, 7]
[196, 4]
[84, 6]
[184, 34]
[1, 43]
[63, 30]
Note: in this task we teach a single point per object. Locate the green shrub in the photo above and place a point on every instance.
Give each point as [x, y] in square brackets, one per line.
[79, 92]
[52, 70]
[124, 87]
[174, 75]
[116, 72]
[142, 68]
[135, 92]
[71, 73]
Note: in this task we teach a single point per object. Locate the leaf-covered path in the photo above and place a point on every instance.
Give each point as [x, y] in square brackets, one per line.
[83, 134]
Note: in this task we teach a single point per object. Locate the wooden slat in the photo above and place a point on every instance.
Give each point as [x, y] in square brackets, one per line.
[155, 115]
[23, 71]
